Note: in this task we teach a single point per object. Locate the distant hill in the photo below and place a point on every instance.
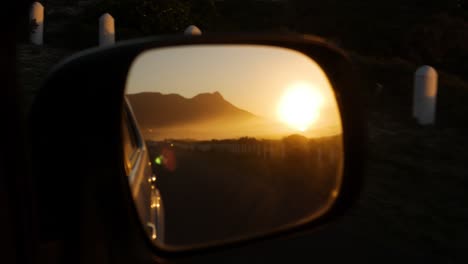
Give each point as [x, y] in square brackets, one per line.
[154, 109]
[205, 116]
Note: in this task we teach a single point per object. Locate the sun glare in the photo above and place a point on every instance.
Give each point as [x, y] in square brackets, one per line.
[299, 106]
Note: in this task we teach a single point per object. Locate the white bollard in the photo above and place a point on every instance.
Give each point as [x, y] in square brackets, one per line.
[425, 95]
[192, 31]
[106, 30]
[36, 19]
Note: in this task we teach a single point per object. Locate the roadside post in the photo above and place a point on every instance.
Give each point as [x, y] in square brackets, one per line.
[106, 30]
[425, 95]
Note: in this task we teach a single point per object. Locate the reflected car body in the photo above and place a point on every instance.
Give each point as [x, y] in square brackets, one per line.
[142, 181]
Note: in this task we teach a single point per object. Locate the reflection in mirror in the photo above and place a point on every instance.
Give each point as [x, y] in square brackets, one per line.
[242, 139]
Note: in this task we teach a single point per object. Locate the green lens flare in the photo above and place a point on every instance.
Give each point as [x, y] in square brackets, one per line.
[158, 160]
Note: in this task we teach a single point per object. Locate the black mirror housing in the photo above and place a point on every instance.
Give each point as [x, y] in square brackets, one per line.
[83, 193]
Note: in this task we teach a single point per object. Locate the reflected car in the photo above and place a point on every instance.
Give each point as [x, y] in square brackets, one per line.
[143, 182]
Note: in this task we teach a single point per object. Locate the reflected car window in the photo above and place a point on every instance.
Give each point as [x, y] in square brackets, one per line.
[130, 142]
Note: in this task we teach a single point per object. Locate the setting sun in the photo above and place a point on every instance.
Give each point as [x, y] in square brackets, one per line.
[299, 106]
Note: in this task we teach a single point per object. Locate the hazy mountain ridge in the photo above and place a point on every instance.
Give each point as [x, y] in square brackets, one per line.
[154, 109]
[206, 116]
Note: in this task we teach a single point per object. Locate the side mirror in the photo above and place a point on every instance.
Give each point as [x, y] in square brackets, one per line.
[196, 143]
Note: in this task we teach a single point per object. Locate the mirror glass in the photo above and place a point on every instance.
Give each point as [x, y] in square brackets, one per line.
[229, 141]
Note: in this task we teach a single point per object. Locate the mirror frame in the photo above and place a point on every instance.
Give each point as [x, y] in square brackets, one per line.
[89, 87]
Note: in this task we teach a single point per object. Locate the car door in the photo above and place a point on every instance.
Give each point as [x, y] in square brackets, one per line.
[141, 178]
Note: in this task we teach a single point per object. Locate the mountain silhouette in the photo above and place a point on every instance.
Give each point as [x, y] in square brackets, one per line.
[153, 109]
